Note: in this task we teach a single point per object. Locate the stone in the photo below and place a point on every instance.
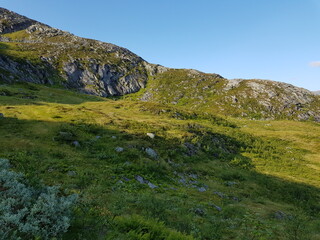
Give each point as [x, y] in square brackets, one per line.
[151, 135]
[220, 194]
[71, 173]
[183, 181]
[119, 149]
[152, 186]
[194, 176]
[140, 179]
[202, 189]
[191, 149]
[114, 137]
[199, 211]
[230, 184]
[215, 206]
[126, 179]
[152, 153]
[280, 215]
[76, 144]
[98, 137]
[236, 199]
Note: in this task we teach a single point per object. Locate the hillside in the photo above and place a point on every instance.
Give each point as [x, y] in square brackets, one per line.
[256, 99]
[34, 52]
[197, 175]
[151, 152]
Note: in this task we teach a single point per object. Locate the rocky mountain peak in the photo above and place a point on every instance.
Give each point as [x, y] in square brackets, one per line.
[12, 22]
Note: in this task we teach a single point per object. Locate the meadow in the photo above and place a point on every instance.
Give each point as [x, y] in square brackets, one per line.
[207, 176]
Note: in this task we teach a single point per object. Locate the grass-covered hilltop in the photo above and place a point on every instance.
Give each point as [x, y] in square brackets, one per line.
[97, 143]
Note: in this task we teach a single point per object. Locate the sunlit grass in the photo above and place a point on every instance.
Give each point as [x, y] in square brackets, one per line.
[247, 162]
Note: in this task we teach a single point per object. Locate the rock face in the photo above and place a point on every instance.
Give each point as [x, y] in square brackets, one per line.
[12, 22]
[58, 57]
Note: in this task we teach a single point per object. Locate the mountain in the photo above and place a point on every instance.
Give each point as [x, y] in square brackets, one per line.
[37, 53]
[317, 92]
[34, 52]
[178, 158]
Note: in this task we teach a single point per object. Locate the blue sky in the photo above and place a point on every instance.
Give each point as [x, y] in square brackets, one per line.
[265, 39]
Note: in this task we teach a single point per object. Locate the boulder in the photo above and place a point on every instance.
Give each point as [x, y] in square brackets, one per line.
[152, 153]
[151, 135]
[119, 149]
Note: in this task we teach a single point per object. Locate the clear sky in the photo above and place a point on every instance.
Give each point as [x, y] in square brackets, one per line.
[266, 39]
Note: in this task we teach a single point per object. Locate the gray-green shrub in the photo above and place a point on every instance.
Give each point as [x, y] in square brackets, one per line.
[27, 212]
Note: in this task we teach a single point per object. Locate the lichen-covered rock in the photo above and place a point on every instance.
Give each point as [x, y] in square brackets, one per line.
[12, 22]
[152, 153]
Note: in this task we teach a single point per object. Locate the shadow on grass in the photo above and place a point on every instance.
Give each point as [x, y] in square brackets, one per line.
[85, 159]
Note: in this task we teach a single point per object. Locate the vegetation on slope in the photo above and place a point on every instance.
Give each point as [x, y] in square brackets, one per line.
[254, 99]
[207, 177]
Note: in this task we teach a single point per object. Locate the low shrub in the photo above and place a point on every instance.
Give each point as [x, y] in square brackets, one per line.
[27, 212]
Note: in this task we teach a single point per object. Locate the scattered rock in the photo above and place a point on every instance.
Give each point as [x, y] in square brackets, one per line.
[126, 179]
[220, 194]
[236, 199]
[230, 184]
[280, 215]
[193, 182]
[71, 173]
[183, 181]
[215, 206]
[119, 149]
[194, 176]
[114, 137]
[140, 179]
[191, 149]
[76, 144]
[144, 181]
[152, 186]
[202, 189]
[173, 163]
[151, 135]
[152, 153]
[199, 211]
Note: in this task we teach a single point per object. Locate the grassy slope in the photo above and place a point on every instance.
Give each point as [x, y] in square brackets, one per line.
[251, 169]
[206, 92]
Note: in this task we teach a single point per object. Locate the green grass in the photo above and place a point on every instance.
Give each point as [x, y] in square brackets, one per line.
[251, 169]
[207, 93]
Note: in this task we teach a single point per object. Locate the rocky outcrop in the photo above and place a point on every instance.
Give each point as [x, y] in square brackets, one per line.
[274, 98]
[12, 22]
[12, 71]
[87, 65]
[103, 79]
